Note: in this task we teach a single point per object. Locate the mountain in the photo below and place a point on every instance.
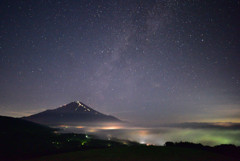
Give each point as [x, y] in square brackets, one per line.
[21, 138]
[18, 125]
[71, 114]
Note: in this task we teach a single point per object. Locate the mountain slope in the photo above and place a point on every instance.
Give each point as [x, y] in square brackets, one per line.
[71, 114]
[21, 139]
[17, 126]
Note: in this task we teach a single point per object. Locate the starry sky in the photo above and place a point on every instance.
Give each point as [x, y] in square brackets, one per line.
[150, 62]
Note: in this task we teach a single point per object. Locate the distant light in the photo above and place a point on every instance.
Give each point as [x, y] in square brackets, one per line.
[225, 124]
[142, 142]
[92, 130]
[79, 127]
[64, 126]
[111, 127]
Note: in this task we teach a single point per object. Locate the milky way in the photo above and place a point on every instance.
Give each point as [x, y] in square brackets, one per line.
[143, 61]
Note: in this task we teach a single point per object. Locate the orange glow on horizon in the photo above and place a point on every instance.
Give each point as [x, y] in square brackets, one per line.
[111, 127]
[92, 130]
[64, 126]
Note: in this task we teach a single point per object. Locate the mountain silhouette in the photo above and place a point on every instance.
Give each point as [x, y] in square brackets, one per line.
[71, 114]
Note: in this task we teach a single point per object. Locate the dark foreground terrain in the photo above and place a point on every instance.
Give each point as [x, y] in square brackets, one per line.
[140, 153]
[21, 139]
[24, 140]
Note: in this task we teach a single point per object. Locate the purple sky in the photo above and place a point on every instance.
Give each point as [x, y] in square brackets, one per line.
[142, 61]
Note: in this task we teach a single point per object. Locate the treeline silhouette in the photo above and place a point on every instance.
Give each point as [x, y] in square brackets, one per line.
[226, 149]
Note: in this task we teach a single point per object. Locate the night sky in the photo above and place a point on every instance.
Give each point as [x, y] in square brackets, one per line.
[151, 62]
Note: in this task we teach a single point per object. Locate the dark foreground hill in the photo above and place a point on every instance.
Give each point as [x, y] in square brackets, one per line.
[21, 139]
[71, 114]
[141, 153]
[18, 126]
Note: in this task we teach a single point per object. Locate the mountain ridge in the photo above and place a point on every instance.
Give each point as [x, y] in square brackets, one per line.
[73, 113]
